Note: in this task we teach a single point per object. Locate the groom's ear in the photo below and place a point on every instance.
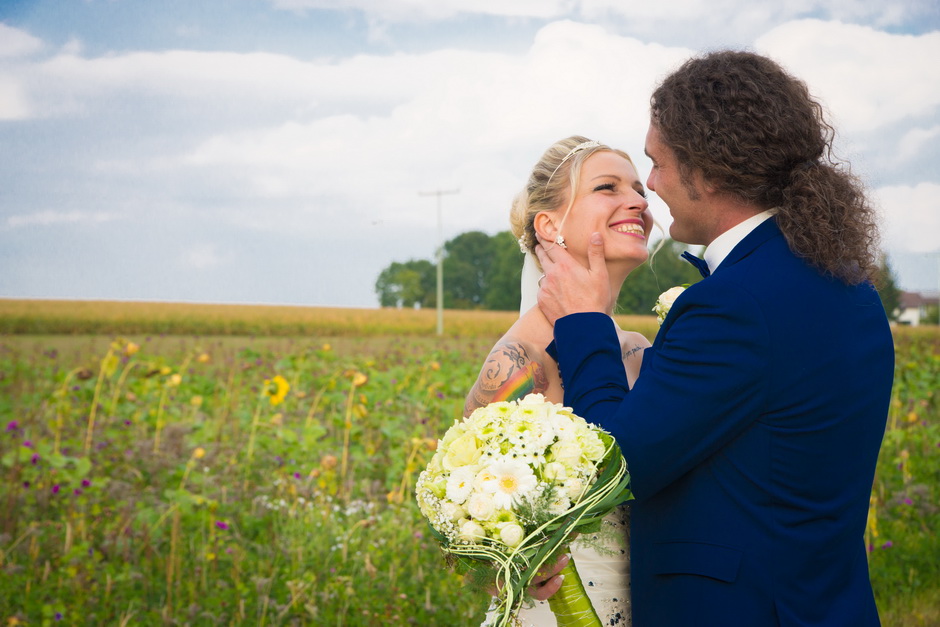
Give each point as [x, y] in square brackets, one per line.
[544, 225]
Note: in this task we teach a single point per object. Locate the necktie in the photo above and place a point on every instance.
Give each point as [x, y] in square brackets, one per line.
[697, 262]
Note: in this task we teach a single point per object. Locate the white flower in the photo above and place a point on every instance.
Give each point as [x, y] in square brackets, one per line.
[462, 451]
[452, 511]
[575, 487]
[460, 483]
[665, 301]
[567, 452]
[511, 534]
[563, 426]
[472, 531]
[481, 506]
[592, 446]
[509, 482]
[555, 471]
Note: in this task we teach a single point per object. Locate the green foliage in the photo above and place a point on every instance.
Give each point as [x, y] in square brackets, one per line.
[302, 513]
[904, 519]
[407, 284]
[483, 272]
[664, 270]
[888, 290]
[502, 289]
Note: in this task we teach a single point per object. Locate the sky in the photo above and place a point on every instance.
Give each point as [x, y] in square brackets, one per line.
[286, 151]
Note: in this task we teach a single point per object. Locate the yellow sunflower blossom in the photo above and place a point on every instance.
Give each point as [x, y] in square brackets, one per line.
[276, 389]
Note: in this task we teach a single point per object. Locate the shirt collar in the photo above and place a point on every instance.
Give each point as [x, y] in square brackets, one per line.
[722, 245]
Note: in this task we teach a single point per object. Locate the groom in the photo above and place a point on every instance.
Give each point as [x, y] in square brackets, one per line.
[754, 428]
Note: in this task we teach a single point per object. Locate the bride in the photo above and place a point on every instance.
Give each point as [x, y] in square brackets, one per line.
[577, 188]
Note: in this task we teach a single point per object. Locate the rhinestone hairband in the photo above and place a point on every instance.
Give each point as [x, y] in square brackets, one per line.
[591, 143]
[582, 146]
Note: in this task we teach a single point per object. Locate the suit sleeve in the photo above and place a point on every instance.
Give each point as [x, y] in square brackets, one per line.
[700, 386]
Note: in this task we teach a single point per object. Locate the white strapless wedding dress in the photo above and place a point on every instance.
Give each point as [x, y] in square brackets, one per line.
[605, 574]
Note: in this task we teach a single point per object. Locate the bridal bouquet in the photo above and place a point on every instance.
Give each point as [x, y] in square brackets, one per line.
[507, 489]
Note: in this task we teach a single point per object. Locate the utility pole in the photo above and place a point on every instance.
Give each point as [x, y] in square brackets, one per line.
[440, 255]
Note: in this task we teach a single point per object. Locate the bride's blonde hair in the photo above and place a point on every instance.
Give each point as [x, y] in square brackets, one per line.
[553, 180]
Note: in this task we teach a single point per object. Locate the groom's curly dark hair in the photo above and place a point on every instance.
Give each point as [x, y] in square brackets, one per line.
[754, 132]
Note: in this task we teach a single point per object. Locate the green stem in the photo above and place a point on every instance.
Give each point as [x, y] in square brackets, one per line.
[571, 605]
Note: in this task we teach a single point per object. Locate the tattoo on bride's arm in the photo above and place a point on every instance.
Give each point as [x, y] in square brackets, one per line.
[508, 373]
[630, 352]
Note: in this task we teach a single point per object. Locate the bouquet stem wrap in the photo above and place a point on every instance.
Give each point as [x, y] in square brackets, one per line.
[571, 606]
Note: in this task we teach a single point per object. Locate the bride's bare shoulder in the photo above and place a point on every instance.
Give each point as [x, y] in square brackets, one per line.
[512, 369]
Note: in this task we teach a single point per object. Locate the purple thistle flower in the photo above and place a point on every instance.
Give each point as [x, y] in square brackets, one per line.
[86, 483]
[908, 502]
[26, 484]
[28, 443]
[887, 545]
[13, 425]
[76, 492]
[55, 489]
[221, 525]
[34, 459]
[58, 615]
[296, 475]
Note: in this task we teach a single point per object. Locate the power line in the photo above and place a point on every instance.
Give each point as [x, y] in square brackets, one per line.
[440, 255]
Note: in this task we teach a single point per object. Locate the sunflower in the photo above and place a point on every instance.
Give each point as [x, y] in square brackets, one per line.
[276, 389]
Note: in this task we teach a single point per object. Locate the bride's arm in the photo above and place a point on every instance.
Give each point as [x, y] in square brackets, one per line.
[510, 371]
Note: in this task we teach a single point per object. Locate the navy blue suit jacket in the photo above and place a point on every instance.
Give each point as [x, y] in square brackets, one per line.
[751, 437]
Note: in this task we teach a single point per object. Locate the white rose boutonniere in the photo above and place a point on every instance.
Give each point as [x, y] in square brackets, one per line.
[665, 301]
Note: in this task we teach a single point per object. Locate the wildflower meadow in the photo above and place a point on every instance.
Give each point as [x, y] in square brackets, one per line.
[243, 474]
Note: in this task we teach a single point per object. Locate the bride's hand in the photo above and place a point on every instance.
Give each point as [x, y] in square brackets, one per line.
[548, 581]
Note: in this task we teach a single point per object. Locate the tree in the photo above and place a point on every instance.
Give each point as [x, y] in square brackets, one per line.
[665, 269]
[467, 261]
[502, 285]
[888, 290]
[407, 284]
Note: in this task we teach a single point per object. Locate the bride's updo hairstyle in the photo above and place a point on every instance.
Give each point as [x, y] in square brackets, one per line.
[552, 184]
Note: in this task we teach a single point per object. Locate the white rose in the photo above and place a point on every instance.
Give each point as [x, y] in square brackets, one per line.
[567, 452]
[592, 446]
[511, 534]
[665, 301]
[555, 471]
[481, 506]
[574, 487]
[461, 452]
[471, 531]
[452, 511]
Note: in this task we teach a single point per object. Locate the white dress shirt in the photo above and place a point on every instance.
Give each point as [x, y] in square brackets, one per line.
[722, 245]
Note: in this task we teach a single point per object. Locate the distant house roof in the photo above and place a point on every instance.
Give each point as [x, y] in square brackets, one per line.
[913, 300]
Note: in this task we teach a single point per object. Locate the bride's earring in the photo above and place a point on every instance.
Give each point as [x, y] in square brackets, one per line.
[560, 240]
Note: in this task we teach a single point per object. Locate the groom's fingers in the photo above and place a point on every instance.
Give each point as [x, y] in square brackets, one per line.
[596, 261]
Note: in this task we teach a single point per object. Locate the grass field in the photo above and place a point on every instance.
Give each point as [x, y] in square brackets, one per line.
[200, 465]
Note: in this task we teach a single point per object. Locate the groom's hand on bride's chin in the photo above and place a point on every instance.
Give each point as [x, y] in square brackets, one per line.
[548, 581]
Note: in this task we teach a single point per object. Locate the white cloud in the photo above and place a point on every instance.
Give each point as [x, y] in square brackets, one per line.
[410, 10]
[915, 140]
[911, 217]
[203, 257]
[475, 121]
[868, 79]
[52, 218]
[17, 43]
